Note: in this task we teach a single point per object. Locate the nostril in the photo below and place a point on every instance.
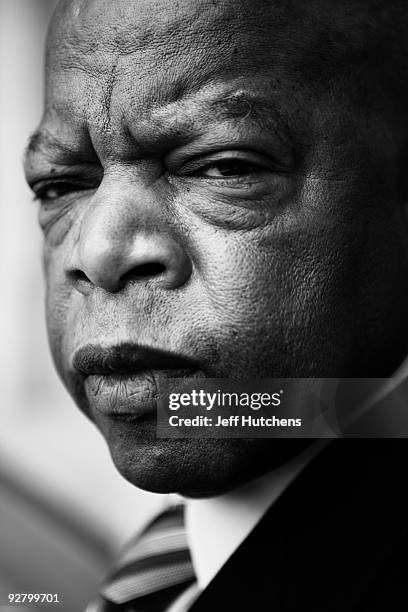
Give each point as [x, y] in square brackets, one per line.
[77, 276]
[147, 270]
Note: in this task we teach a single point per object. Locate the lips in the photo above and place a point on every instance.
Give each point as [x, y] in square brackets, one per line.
[125, 379]
[133, 394]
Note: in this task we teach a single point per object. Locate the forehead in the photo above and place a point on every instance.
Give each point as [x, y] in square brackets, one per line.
[131, 25]
[165, 47]
[112, 63]
[196, 38]
[127, 26]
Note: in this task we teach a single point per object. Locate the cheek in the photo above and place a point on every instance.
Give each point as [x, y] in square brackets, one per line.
[277, 300]
[251, 276]
[258, 297]
[57, 301]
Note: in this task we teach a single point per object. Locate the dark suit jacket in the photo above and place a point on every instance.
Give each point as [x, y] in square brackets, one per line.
[335, 541]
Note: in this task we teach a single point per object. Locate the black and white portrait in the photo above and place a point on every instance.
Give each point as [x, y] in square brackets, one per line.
[221, 191]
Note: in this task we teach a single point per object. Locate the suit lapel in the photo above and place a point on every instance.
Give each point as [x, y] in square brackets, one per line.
[328, 539]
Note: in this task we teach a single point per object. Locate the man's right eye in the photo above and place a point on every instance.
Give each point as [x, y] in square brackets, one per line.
[49, 191]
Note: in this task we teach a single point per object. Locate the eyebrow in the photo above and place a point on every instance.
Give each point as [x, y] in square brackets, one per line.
[42, 140]
[244, 105]
[236, 103]
[240, 105]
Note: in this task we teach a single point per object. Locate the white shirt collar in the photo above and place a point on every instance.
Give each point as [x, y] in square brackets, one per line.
[216, 526]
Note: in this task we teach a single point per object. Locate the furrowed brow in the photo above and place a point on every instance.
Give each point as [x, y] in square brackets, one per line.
[43, 143]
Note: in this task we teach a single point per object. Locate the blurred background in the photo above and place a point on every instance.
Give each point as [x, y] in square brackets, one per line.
[64, 510]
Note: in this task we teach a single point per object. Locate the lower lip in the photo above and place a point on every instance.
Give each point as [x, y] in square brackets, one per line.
[131, 394]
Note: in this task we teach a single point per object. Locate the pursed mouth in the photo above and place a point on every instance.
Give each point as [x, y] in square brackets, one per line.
[135, 394]
[128, 358]
[125, 379]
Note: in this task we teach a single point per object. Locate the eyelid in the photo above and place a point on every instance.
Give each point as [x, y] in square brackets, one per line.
[82, 173]
[85, 173]
[75, 185]
[41, 184]
[203, 161]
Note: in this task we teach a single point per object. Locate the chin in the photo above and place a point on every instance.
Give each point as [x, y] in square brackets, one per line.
[195, 467]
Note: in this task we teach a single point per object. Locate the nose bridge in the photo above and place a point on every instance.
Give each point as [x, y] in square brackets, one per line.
[120, 207]
[124, 235]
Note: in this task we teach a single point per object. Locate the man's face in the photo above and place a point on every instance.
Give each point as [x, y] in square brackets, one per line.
[215, 203]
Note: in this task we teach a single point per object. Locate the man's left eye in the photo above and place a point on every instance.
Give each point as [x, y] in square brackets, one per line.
[231, 168]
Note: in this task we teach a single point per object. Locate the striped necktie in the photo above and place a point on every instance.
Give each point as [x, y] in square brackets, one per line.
[153, 571]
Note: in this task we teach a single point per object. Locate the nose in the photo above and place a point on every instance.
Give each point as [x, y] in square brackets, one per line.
[123, 242]
[111, 265]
